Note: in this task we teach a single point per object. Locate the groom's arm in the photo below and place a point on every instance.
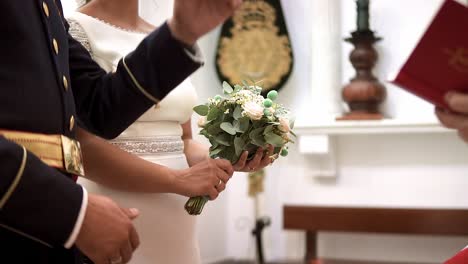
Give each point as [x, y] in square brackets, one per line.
[108, 103]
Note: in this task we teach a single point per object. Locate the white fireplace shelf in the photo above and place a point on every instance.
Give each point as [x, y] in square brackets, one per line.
[318, 140]
[386, 126]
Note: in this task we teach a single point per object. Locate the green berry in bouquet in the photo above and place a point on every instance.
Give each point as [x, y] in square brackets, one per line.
[242, 120]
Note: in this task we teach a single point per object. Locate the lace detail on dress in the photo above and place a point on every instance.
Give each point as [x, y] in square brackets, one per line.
[78, 33]
[161, 145]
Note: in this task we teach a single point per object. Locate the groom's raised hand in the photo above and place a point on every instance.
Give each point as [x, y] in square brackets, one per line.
[194, 18]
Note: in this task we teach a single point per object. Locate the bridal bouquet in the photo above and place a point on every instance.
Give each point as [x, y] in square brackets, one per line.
[242, 120]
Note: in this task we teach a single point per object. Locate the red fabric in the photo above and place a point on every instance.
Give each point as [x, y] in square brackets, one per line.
[460, 258]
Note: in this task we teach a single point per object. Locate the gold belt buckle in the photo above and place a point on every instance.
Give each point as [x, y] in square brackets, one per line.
[72, 158]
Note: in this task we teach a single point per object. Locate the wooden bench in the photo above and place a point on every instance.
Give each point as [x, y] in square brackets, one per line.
[371, 220]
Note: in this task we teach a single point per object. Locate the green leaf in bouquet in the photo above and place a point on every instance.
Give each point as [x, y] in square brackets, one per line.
[223, 139]
[251, 148]
[213, 114]
[227, 88]
[201, 110]
[228, 154]
[204, 132]
[256, 132]
[213, 143]
[228, 117]
[259, 140]
[236, 125]
[291, 123]
[274, 139]
[257, 137]
[216, 151]
[237, 112]
[239, 144]
[214, 128]
[259, 123]
[244, 124]
[277, 150]
[268, 129]
[237, 88]
[228, 128]
[244, 82]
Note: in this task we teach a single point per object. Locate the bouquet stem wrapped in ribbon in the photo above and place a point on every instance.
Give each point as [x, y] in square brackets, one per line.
[242, 120]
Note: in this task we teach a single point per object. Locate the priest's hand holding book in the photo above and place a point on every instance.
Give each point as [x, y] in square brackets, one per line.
[456, 117]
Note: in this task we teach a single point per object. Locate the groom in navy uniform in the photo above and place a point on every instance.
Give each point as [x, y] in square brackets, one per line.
[48, 85]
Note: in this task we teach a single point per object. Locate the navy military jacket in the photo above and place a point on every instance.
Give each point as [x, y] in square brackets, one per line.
[48, 82]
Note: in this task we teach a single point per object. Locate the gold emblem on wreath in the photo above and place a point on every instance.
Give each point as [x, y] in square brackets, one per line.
[255, 51]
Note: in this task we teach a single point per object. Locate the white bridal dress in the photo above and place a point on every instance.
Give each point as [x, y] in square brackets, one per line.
[167, 232]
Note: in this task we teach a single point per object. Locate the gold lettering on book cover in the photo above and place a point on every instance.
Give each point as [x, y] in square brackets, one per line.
[255, 51]
[458, 59]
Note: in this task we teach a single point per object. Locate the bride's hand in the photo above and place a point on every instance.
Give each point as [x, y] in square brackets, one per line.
[259, 161]
[194, 18]
[208, 177]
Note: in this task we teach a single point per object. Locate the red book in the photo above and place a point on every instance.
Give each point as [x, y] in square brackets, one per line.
[439, 62]
[460, 258]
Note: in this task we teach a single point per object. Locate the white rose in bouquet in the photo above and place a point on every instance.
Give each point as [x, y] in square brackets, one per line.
[253, 110]
[242, 120]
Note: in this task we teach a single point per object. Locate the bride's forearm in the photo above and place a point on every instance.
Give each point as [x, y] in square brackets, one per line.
[108, 165]
[195, 151]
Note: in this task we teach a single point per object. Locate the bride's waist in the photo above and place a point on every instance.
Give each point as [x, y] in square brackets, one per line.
[151, 138]
[152, 129]
[151, 145]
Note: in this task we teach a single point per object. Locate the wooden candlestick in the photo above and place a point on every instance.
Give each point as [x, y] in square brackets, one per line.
[364, 93]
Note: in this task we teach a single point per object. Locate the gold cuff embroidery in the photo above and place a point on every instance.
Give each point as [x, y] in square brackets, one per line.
[15, 182]
[137, 84]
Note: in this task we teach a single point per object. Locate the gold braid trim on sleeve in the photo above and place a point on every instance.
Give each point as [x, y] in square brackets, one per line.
[25, 235]
[15, 182]
[137, 84]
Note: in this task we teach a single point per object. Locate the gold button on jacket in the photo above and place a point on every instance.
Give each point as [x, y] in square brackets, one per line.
[65, 82]
[56, 47]
[72, 123]
[45, 7]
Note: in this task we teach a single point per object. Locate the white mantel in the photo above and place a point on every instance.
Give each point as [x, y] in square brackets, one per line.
[384, 126]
